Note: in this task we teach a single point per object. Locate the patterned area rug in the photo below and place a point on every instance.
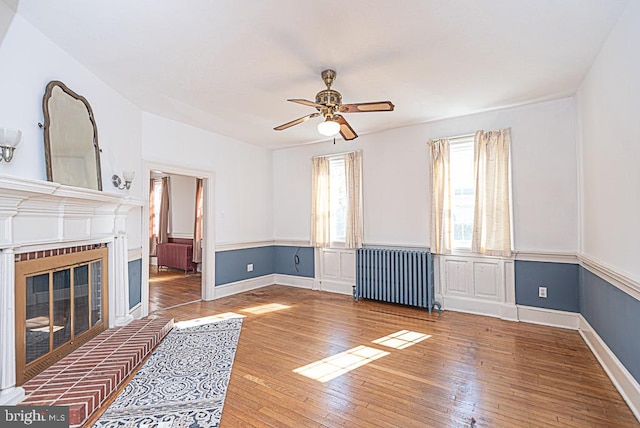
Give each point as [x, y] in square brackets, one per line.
[183, 384]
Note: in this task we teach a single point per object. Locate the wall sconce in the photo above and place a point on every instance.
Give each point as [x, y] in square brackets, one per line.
[128, 179]
[9, 140]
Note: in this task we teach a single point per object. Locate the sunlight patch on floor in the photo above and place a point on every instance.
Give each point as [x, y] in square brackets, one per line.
[263, 309]
[339, 364]
[401, 339]
[207, 320]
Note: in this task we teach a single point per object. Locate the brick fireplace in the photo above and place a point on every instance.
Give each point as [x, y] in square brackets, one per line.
[41, 220]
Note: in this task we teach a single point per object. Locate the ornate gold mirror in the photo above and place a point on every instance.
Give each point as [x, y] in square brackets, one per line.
[70, 138]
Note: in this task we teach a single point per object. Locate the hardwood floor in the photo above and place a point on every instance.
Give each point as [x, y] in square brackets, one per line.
[168, 288]
[467, 371]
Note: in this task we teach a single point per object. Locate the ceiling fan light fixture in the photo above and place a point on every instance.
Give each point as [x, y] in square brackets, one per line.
[328, 128]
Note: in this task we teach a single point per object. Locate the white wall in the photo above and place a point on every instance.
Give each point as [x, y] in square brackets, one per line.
[396, 178]
[29, 61]
[609, 122]
[182, 205]
[243, 192]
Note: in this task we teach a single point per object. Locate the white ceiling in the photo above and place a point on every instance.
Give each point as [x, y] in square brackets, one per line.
[228, 66]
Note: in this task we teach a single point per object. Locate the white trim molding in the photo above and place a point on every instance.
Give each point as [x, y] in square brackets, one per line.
[264, 281]
[135, 254]
[244, 285]
[619, 375]
[548, 317]
[388, 246]
[227, 246]
[292, 243]
[294, 281]
[621, 280]
[546, 256]
[337, 287]
[242, 245]
[136, 311]
[208, 265]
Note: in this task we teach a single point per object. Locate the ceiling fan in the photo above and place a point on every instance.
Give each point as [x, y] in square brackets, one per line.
[329, 105]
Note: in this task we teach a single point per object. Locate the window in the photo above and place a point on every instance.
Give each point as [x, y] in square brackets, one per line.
[157, 201]
[337, 200]
[336, 205]
[462, 192]
[471, 193]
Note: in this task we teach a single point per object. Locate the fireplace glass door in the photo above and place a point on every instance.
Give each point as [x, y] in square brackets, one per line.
[62, 307]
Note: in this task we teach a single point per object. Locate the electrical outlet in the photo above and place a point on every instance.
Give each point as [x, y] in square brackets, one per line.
[542, 292]
[250, 267]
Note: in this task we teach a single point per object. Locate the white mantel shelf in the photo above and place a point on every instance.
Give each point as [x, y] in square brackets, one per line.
[66, 214]
[40, 215]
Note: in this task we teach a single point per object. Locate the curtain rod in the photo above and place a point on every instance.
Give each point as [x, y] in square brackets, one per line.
[336, 154]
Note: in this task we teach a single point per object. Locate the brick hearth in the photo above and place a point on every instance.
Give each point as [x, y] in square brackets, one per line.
[84, 379]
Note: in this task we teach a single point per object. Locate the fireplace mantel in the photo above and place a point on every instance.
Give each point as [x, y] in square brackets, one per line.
[38, 215]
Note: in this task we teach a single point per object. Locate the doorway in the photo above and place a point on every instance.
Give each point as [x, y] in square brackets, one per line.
[178, 255]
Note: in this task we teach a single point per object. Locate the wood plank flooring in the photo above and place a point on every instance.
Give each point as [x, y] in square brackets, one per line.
[168, 288]
[471, 371]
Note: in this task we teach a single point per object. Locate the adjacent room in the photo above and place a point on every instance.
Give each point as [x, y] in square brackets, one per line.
[329, 214]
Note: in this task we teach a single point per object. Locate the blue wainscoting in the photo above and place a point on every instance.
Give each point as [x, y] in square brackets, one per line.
[561, 280]
[285, 261]
[231, 265]
[615, 316]
[135, 282]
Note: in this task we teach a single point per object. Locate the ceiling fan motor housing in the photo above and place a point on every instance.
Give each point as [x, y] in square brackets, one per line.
[329, 98]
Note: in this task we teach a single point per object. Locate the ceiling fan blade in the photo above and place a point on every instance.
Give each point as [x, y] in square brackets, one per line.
[365, 107]
[295, 122]
[306, 103]
[346, 130]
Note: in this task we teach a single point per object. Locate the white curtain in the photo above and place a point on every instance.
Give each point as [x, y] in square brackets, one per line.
[320, 225]
[492, 216]
[353, 177]
[165, 212]
[440, 197]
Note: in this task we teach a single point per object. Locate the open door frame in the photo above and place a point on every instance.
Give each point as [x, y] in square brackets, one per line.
[208, 240]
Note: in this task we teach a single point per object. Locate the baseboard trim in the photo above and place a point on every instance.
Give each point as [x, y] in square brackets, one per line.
[136, 311]
[619, 375]
[294, 281]
[548, 317]
[337, 287]
[475, 306]
[11, 396]
[244, 285]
